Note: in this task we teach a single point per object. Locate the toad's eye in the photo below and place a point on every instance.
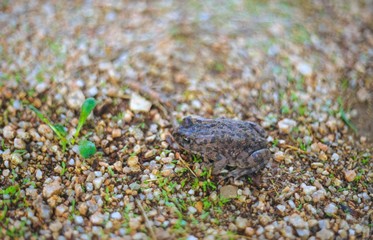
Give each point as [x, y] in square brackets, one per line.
[187, 140]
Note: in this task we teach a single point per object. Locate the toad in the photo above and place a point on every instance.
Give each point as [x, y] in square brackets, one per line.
[225, 142]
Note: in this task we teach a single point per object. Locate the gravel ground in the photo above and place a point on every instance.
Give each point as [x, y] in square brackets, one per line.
[302, 71]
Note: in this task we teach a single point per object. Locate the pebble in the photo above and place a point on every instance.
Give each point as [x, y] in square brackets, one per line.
[116, 216]
[322, 156]
[297, 221]
[97, 218]
[19, 143]
[350, 175]
[228, 191]
[51, 189]
[241, 223]
[97, 182]
[15, 159]
[55, 226]
[75, 99]
[308, 190]
[325, 234]
[318, 196]
[89, 187]
[304, 68]
[286, 125]
[118, 166]
[249, 231]
[139, 104]
[192, 210]
[264, 219]
[363, 95]
[133, 161]
[6, 172]
[279, 156]
[8, 132]
[61, 209]
[78, 220]
[331, 209]
[335, 157]
[135, 186]
[116, 133]
[281, 208]
[38, 174]
[303, 233]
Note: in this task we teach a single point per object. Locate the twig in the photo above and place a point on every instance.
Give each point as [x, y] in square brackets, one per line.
[147, 222]
[186, 165]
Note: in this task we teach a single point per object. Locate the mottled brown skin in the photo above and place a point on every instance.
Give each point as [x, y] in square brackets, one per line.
[226, 142]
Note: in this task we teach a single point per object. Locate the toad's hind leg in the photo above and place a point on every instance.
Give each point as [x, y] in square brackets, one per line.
[249, 164]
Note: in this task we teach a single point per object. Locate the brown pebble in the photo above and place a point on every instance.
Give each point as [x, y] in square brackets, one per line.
[350, 175]
[116, 133]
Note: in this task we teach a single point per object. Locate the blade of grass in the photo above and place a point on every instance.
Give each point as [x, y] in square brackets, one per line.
[87, 107]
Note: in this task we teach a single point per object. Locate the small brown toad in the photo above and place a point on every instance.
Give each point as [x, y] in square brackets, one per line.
[225, 142]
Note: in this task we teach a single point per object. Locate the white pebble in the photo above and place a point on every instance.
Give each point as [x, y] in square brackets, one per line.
[335, 157]
[97, 182]
[8, 132]
[286, 125]
[139, 104]
[308, 190]
[39, 174]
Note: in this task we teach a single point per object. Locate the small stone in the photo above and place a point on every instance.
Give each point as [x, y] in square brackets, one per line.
[286, 125]
[41, 87]
[335, 157]
[315, 165]
[323, 147]
[133, 161]
[281, 208]
[363, 95]
[192, 210]
[264, 219]
[19, 143]
[116, 216]
[308, 190]
[51, 189]
[97, 218]
[249, 231]
[325, 234]
[139, 104]
[149, 154]
[15, 159]
[97, 182]
[228, 191]
[55, 226]
[322, 156]
[241, 223]
[38, 174]
[318, 196]
[303, 233]
[79, 220]
[324, 223]
[199, 206]
[304, 68]
[297, 221]
[350, 175]
[279, 156]
[83, 208]
[89, 187]
[331, 209]
[60, 210]
[134, 186]
[118, 166]
[6, 172]
[75, 99]
[8, 132]
[116, 133]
